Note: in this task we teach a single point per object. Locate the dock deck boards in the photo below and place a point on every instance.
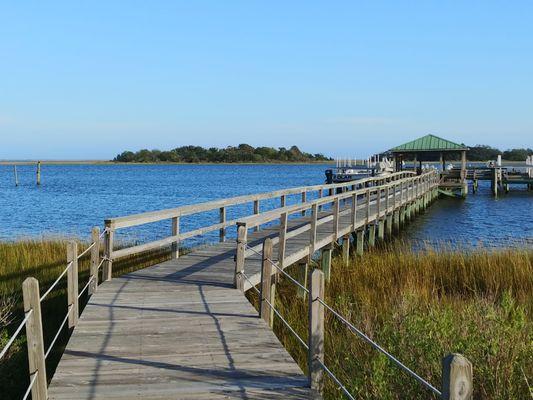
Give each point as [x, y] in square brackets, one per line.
[176, 330]
[180, 330]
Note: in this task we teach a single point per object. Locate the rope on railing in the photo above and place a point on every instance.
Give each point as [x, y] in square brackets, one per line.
[58, 331]
[30, 387]
[104, 231]
[281, 270]
[380, 349]
[56, 282]
[277, 313]
[86, 250]
[17, 331]
[85, 287]
[337, 381]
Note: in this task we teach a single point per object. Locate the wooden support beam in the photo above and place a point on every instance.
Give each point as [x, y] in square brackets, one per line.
[325, 261]
[268, 285]
[336, 209]
[304, 200]
[381, 229]
[372, 235]
[346, 250]
[256, 211]
[16, 175]
[457, 378]
[389, 225]
[360, 242]
[34, 338]
[95, 260]
[303, 269]
[316, 331]
[313, 230]
[72, 283]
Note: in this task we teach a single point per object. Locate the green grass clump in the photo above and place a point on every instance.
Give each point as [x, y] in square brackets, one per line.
[421, 306]
[44, 259]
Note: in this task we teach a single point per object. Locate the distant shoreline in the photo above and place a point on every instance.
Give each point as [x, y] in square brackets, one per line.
[102, 162]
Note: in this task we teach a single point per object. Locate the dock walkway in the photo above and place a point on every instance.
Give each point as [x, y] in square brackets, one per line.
[183, 329]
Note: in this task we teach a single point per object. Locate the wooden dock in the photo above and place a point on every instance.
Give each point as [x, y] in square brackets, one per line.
[183, 329]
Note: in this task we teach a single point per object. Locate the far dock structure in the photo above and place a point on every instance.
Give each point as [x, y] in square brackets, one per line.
[184, 329]
[454, 181]
[433, 148]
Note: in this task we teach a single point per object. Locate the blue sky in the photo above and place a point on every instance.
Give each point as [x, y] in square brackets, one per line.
[86, 81]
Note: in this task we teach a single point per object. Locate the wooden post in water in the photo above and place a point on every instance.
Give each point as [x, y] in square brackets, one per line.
[304, 200]
[268, 285]
[95, 260]
[34, 338]
[72, 283]
[175, 244]
[316, 330]
[16, 175]
[457, 378]
[38, 173]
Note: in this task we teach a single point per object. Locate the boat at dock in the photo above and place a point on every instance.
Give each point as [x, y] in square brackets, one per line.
[347, 170]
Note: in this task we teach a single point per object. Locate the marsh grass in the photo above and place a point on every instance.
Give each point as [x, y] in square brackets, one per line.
[421, 306]
[44, 260]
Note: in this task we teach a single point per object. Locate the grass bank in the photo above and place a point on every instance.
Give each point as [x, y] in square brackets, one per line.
[421, 306]
[44, 260]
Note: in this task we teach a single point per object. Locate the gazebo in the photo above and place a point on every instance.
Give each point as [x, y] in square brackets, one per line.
[428, 148]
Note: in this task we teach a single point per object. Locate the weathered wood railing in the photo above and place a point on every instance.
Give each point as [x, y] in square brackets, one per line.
[457, 371]
[176, 236]
[33, 322]
[379, 204]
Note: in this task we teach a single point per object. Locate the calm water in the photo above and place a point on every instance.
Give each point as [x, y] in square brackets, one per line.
[73, 198]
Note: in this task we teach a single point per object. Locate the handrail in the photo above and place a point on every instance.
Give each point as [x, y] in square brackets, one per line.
[113, 224]
[53, 285]
[15, 334]
[154, 216]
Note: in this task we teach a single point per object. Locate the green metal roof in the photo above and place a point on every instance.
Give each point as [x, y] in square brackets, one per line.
[429, 143]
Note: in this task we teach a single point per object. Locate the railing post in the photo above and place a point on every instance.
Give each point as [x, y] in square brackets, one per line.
[354, 211]
[336, 210]
[320, 195]
[222, 232]
[304, 200]
[367, 206]
[175, 232]
[256, 211]
[312, 238]
[282, 238]
[72, 283]
[316, 330]
[242, 237]
[457, 378]
[268, 285]
[34, 338]
[95, 260]
[282, 201]
[108, 252]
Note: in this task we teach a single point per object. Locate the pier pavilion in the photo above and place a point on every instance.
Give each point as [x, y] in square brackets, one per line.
[434, 148]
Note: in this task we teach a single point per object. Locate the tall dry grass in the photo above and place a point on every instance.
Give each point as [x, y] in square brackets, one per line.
[43, 259]
[421, 306]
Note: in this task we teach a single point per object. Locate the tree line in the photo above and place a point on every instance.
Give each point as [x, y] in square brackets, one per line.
[230, 154]
[482, 153]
